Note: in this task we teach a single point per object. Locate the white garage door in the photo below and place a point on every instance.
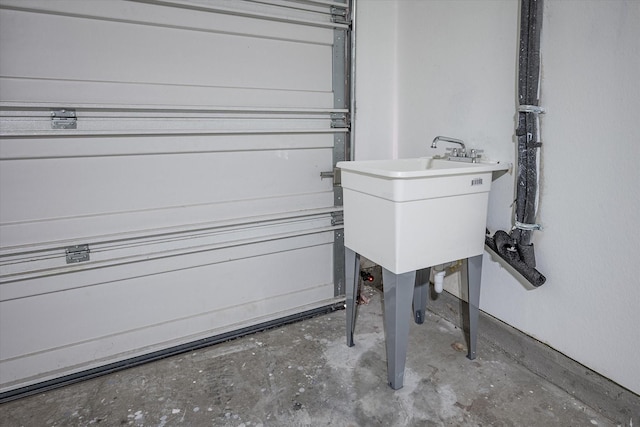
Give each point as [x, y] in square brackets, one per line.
[160, 174]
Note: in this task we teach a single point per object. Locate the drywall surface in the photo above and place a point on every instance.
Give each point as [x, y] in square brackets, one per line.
[590, 193]
[456, 75]
[376, 80]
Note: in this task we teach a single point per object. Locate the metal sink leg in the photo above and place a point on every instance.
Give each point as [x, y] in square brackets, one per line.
[398, 293]
[352, 270]
[420, 294]
[473, 268]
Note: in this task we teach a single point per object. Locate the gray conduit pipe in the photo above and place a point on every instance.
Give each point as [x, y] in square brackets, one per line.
[516, 248]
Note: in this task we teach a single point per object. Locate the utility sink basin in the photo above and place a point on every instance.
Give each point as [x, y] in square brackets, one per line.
[409, 214]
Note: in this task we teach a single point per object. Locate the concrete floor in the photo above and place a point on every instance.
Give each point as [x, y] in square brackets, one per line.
[304, 374]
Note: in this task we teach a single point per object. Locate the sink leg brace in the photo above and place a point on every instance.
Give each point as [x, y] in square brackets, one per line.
[400, 290]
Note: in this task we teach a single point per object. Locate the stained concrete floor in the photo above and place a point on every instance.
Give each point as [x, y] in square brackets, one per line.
[304, 374]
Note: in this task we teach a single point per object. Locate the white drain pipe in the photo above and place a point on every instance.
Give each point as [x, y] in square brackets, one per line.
[438, 281]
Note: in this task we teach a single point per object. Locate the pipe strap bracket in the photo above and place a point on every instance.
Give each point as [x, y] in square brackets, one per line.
[531, 109]
[528, 227]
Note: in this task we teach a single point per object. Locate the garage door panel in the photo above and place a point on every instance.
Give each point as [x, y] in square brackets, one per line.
[218, 16]
[62, 93]
[108, 51]
[114, 184]
[94, 330]
[185, 293]
[27, 147]
[43, 366]
[21, 236]
[124, 57]
[39, 272]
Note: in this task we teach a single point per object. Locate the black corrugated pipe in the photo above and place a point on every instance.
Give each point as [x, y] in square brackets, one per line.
[516, 248]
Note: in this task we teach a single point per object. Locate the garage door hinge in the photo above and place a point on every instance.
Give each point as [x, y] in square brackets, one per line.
[340, 120]
[339, 15]
[337, 218]
[64, 119]
[77, 253]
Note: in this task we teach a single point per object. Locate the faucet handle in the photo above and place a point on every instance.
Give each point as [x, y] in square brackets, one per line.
[475, 154]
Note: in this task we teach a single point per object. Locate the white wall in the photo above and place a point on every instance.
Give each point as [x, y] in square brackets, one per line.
[456, 75]
[376, 70]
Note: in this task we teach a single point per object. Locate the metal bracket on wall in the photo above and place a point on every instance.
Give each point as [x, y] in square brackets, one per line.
[339, 279]
[341, 78]
[338, 155]
[341, 119]
[64, 119]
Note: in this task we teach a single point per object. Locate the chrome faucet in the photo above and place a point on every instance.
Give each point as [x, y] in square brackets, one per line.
[455, 154]
[447, 139]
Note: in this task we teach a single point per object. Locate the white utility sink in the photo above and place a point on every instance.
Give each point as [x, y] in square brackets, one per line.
[408, 214]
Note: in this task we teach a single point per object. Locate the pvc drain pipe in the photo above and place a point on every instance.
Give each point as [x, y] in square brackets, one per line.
[438, 281]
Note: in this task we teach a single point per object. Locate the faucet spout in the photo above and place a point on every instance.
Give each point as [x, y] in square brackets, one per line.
[447, 139]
